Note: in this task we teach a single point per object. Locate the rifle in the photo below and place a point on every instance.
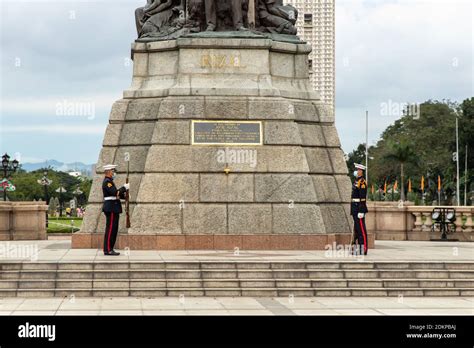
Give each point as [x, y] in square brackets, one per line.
[352, 240]
[127, 198]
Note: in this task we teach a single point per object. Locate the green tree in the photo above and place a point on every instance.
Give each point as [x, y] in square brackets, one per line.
[466, 137]
[356, 156]
[432, 136]
[401, 153]
[28, 188]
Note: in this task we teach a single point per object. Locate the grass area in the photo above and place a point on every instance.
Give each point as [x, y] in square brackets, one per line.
[63, 225]
[64, 218]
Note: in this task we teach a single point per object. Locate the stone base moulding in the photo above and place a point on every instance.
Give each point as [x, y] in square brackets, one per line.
[216, 242]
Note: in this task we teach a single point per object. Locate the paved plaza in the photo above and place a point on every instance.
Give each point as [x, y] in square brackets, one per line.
[59, 250]
[238, 306]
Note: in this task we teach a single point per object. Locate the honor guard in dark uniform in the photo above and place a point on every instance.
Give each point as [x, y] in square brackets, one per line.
[112, 208]
[359, 209]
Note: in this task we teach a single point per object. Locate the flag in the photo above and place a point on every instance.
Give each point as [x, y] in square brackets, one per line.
[409, 185]
[395, 186]
[385, 187]
[373, 189]
[439, 183]
[422, 184]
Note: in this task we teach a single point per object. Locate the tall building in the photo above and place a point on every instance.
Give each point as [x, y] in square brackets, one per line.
[316, 25]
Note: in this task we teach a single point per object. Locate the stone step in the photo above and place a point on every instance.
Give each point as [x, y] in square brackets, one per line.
[237, 278]
[240, 283]
[247, 292]
[236, 274]
[236, 265]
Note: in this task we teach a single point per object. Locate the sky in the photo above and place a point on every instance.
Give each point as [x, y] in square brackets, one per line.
[64, 62]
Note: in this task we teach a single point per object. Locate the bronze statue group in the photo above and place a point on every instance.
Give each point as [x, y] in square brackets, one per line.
[169, 19]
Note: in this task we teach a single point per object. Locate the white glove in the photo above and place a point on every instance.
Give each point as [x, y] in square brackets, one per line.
[126, 186]
[360, 215]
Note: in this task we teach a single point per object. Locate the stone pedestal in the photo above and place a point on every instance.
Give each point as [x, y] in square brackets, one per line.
[23, 220]
[294, 195]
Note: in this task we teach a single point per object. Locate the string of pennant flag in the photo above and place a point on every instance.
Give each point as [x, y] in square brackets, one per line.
[410, 189]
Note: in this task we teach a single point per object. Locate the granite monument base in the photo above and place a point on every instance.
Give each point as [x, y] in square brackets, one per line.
[228, 146]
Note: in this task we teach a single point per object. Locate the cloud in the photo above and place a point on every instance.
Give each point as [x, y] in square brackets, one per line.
[50, 105]
[62, 52]
[66, 47]
[403, 51]
[51, 51]
[56, 129]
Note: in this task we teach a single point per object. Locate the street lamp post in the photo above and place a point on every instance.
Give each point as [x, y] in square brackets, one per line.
[77, 192]
[457, 163]
[9, 167]
[45, 182]
[61, 190]
[465, 179]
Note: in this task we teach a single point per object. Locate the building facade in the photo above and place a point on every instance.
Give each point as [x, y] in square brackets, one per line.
[316, 25]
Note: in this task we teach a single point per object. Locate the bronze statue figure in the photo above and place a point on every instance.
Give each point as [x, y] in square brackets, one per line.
[236, 10]
[195, 20]
[160, 17]
[140, 16]
[276, 17]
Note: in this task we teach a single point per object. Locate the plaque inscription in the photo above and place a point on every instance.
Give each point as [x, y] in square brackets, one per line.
[227, 133]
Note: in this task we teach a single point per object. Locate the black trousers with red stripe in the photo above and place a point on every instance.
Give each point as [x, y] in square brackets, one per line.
[361, 235]
[111, 230]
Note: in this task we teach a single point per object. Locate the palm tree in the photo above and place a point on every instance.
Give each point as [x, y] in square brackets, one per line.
[402, 152]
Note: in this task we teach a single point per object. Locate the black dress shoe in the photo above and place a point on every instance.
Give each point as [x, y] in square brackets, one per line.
[111, 253]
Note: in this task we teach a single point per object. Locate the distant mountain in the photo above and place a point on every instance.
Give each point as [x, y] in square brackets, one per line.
[85, 169]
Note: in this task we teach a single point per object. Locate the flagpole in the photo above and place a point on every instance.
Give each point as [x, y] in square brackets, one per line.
[423, 189]
[367, 147]
[465, 179]
[439, 190]
[457, 163]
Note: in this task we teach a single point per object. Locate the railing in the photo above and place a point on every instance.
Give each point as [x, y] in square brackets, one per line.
[397, 221]
[423, 221]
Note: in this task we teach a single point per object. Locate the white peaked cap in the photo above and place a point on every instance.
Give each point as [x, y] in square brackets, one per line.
[359, 166]
[110, 166]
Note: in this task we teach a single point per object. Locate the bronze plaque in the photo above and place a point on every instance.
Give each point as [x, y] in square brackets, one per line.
[227, 133]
